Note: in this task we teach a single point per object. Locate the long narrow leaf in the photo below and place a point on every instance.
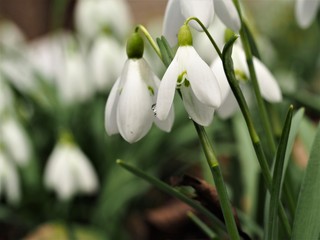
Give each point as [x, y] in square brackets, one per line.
[277, 177]
[306, 223]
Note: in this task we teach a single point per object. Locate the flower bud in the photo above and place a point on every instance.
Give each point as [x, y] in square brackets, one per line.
[185, 36]
[135, 46]
[228, 34]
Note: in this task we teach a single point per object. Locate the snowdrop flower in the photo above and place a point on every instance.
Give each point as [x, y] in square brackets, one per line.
[269, 87]
[69, 171]
[94, 16]
[177, 11]
[306, 11]
[10, 35]
[129, 106]
[197, 83]
[105, 60]
[9, 180]
[15, 140]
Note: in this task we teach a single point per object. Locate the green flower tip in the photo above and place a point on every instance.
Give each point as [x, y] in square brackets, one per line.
[228, 34]
[135, 46]
[66, 137]
[185, 36]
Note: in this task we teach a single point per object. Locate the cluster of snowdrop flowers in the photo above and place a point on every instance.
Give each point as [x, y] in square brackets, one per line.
[306, 11]
[129, 106]
[68, 171]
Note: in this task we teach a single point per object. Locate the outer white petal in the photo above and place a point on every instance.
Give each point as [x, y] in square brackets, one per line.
[16, 141]
[134, 113]
[202, 9]
[268, 85]
[306, 11]
[83, 172]
[199, 112]
[110, 113]
[228, 107]
[218, 71]
[166, 124]
[228, 14]
[203, 82]
[173, 20]
[167, 90]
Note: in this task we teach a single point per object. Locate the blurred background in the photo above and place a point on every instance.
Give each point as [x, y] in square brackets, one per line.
[58, 176]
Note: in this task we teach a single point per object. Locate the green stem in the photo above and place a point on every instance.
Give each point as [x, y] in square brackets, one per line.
[261, 106]
[218, 179]
[207, 33]
[150, 39]
[204, 227]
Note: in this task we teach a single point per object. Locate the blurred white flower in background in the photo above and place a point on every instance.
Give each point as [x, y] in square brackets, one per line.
[177, 11]
[9, 179]
[10, 35]
[105, 59]
[69, 171]
[306, 11]
[6, 97]
[15, 140]
[95, 16]
[268, 85]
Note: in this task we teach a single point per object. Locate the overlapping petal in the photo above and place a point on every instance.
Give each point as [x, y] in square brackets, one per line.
[110, 114]
[134, 115]
[227, 12]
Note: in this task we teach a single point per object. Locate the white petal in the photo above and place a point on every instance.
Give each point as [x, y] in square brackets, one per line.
[167, 90]
[218, 71]
[227, 12]
[228, 107]
[199, 112]
[306, 11]
[268, 85]
[110, 113]
[172, 22]
[202, 9]
[134, 113]
[203, 82]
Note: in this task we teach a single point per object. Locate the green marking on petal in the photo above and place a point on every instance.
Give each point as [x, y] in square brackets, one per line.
[241, 76]
[151, 90]
[181, 78]
[186, 83]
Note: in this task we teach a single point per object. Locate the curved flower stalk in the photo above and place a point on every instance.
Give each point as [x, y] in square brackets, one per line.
[129, 108]
[268, 85]
[14, 140]
[68, 171]
[95, 16]
[177, 11]
[306, 11]
[9, 180]
[105, 60]
[195, 80]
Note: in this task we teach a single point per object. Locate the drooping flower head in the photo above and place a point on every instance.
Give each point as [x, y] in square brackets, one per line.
[268, 85]
[195, 80]
[129, 108]
[177, 11]
[69, 171]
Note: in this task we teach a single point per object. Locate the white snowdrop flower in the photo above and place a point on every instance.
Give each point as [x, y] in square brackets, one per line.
[306, 11]
[196, 81]
[105, 60]
[9, 180]
[94, 16]
[129, 108]
[268, 85]
[177, 11]
[15, 140]
[68, 171]
[74, 84]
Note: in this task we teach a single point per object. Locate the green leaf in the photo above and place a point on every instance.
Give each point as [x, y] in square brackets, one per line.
[277, 177]
[306, 223]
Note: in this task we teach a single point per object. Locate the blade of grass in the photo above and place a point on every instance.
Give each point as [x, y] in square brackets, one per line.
[306, 223]
[204, 227]
[277, 178]
[218, 226]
